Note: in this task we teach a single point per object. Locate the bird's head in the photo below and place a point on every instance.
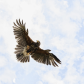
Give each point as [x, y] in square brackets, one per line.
[38, 42]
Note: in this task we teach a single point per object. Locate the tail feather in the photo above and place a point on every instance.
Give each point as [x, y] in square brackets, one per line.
[20, 57]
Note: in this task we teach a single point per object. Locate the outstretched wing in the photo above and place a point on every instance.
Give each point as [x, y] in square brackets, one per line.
[45, 57]
[21, 34]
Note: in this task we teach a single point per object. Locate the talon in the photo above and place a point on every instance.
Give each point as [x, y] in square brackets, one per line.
[28, 54]
[27, 47]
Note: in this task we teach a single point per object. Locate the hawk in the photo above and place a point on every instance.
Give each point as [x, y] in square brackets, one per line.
[26, 47]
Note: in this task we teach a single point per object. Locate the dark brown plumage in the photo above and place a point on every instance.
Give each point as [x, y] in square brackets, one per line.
[27, 47]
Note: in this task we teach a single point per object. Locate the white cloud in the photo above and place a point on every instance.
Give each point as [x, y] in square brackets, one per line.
[82, 64]
[3, 61]
[65, 3]
[42, 19]
[7, 76]
[39, 82]
[14, 80]
[51, 79]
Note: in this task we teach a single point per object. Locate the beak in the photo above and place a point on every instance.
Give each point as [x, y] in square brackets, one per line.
[37, 40]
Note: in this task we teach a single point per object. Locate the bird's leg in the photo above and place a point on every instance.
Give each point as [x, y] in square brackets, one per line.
[27, 47]
[28, 53]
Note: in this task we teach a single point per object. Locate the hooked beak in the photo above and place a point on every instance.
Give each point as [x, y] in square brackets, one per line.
[37, 40]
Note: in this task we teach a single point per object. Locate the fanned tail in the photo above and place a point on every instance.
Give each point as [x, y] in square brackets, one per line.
[22, 58]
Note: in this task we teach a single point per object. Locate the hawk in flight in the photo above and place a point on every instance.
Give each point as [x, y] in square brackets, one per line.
[27, 47]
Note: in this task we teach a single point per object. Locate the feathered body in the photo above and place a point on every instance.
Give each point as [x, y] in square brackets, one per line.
[27, 47]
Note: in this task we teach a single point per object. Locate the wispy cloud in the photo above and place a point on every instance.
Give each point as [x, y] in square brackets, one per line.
[58, 25]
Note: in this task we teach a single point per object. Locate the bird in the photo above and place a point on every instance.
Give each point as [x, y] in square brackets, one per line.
[26, 47]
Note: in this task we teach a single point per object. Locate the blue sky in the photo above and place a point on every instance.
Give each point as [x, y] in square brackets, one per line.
[58, 25]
